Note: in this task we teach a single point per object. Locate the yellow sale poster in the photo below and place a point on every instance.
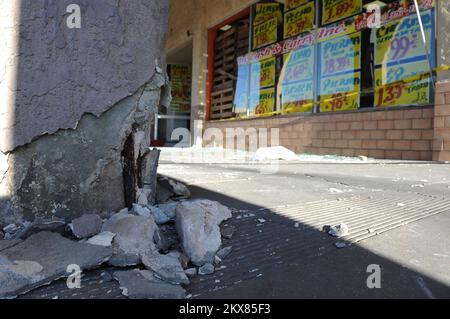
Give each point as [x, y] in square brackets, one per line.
[265, 33]
[334, 10]
[262, 101]
[340, 92]
[298, 97]
[298, 65]
[402, 39]
[292, 4]
[341, 54]
[267, 11]
[299, 20]
[263, 73]
[403, 85]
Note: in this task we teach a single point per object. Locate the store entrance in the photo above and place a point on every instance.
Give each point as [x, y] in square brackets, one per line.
[178, 114]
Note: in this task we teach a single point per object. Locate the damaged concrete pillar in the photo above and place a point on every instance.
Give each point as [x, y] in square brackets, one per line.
[77, 104]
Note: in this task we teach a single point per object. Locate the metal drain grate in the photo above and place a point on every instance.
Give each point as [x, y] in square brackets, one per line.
[258, 246]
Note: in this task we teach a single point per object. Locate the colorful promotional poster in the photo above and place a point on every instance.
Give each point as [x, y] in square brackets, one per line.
[298, 97]
[265, 33]
[180, 79]
[402, 39]
[292, 4]
[340, 92]
[341, 54]
[262, 101]
[299, 20]
[242, 89]
[403, 85]
[334, 10]
[298, 65]
[263, 74]
[267, 11]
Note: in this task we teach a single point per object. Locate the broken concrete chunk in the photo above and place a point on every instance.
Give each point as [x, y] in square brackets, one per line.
[179, 188]
[160, 217]
[169, 209]
[142, 284]
[198, 229]
[163, 194]
[142, 196]
[161, 241]
[206, 269]
[54, 225]
[134, 237]
[217, 260]
[11, 229]
[43, 258]
[340, 230]
[191, 272]
[87, 226]
[274, 154]
[141, 211]
[165, 267]
[5, 244]
[223, 253]
[103, 239]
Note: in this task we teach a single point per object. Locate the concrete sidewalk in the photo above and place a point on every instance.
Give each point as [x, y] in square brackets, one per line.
[288, 256]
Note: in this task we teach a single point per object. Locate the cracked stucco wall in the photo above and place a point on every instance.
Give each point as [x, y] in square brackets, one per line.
[71, 99]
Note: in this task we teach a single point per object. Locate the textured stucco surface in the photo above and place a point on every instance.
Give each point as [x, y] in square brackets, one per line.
[72, 100]
[53, 75]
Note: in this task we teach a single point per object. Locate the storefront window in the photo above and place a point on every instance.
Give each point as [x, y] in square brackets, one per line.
[332, 56]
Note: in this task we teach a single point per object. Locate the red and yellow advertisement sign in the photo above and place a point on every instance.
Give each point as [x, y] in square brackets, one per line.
[267, 11]
[334, 10]
[402, 39]
[265, 33]
[263, 73]
[340, 92]
[298, 97]
[262, 101]
[403, 85]
[299, 20]
[341, 54]
[292, 4]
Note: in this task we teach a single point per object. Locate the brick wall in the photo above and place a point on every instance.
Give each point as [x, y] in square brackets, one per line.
[441, 145]
[405, 134]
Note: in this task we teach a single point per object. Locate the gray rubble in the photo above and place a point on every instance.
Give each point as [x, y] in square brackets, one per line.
[43, 258]
[103, 239]
[54, 224]
[142, 284]
[87, 226]
[191, 272]
[340, 230]
[206, 269]
[198, 229]
[134, 237]
[165, 267]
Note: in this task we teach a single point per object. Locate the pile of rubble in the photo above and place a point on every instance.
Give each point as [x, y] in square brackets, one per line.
[155, 250]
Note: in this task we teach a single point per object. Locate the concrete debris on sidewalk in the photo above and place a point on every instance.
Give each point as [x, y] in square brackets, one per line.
[165, 267]
[103, 239]
[43, 258]
[340, 230]
[134, 237]
[198, 229]
[142, 284]
[274, 154]
[174, 240]
[167, 189]
[87, 226]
